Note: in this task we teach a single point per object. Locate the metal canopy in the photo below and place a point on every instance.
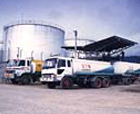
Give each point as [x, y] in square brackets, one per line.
[112, 44]
[109, 44]
[72, 47]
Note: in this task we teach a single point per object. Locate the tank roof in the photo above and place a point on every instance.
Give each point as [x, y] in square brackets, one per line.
[30, 22]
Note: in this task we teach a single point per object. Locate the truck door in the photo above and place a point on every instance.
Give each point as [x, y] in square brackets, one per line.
[64, 67]
[69, 67]
[61, 67]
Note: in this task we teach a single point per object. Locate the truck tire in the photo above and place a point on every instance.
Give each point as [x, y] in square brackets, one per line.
[66, 83]
[106, 82]
[51, 85]
[14, 81]
[96, 82]
[25, 80]
[127, 81]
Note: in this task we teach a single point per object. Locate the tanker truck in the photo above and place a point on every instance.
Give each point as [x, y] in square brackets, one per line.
[24, 71]
[66, 72]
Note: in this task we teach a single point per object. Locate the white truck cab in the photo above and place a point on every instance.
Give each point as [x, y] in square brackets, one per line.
[23, 66]
[25, 71]
[17, 68]
[55, 69]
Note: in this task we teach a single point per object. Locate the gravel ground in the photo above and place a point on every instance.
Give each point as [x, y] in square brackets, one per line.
[38, 99]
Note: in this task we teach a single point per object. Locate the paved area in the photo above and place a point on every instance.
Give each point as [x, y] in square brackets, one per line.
[38, 99]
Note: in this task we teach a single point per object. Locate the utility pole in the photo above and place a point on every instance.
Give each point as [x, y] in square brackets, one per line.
[42, 55]
[32, 54]
[21, 53]
[75, 48]
[18, 52]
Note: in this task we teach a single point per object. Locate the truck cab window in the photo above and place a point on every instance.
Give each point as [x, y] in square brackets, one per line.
[61, 63]
[69, 64]
[21, 63]
[50, 63]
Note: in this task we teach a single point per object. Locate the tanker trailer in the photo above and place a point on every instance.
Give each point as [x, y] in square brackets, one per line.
[68, 71]
[65, 72]
[127, 69]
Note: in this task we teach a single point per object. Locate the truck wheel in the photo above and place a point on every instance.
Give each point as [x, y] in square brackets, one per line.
[66, 83]
[96, 82]
[51, 85]
[106, 82]
[14, 81]
[25, 80]
[127, 81]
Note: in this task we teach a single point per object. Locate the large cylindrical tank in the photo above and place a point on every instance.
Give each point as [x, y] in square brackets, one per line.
[80, 42]
[27, 40]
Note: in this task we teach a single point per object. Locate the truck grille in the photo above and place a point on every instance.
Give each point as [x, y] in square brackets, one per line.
[10, 71]
[47, 75]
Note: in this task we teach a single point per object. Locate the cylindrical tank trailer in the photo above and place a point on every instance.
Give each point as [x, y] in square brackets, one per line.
[90, 73]
[122, 67]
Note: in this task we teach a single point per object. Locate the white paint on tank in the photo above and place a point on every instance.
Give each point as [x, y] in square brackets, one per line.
[81, 65]
[33, 39]
[121, 67]
[80, 42]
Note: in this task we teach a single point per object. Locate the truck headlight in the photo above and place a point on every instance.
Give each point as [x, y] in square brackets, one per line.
[53, 75]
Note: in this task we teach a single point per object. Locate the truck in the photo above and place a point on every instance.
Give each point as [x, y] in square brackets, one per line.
[66, 72]
[24, 71]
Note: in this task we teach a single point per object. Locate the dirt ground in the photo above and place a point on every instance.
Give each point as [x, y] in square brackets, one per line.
[38, 99]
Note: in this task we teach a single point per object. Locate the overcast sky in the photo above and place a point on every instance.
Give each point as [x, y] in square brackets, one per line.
[94, 19]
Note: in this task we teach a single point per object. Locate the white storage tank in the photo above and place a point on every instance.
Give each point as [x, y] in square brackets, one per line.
[80, 42]
[35, 40]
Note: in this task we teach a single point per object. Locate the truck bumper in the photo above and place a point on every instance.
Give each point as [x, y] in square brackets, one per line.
[47, 79]
[9, 76]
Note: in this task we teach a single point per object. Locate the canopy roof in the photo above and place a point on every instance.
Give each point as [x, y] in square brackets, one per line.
[106, 45]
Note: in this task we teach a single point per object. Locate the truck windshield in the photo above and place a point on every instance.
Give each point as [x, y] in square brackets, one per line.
[21, 63]
[50, 63]
[12, 63]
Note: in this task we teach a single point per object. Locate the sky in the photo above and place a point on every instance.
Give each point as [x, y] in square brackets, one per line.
[93, 19]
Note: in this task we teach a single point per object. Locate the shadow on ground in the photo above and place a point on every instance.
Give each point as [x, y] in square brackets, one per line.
[135, 89]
